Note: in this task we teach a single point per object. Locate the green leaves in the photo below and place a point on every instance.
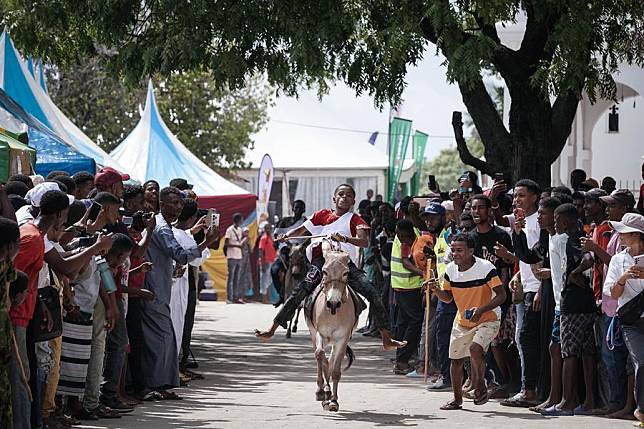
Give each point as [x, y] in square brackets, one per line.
[215, 123]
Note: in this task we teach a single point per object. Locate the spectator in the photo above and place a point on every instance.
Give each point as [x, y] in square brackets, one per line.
[608, 184]
[267, 256]
[151, 188]
[577, 176]
[109, 180]
[16, 188]
[473, 284]
[22, 178]
[234, 239]
[625, 282]
[84, 184]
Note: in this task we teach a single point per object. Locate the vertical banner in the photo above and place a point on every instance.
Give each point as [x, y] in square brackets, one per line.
[264, 185]
[399, 132]
[419, 144]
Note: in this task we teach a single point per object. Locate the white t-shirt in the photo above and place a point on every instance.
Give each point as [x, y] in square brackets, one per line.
[532, 231]
[619, 264]
[234, 234]
[23, 215]
[87, 287]
[558, 264]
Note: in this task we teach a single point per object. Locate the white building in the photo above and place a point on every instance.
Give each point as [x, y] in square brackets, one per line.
[591, 146]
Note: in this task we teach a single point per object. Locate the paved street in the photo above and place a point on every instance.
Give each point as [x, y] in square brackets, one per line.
[272, 385]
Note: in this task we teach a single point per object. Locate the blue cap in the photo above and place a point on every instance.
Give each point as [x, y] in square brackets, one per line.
[435, 208]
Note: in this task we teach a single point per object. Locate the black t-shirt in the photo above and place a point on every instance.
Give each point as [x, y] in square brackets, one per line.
[485, 242]
[576, 299]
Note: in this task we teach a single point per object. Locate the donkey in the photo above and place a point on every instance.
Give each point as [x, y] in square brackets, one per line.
[293, 275]
[332, 321]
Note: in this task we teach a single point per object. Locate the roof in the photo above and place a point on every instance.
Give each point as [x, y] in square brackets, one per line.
[151, 151]
[19, 83]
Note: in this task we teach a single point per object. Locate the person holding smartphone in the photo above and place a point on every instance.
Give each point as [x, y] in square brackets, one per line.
[474, 285]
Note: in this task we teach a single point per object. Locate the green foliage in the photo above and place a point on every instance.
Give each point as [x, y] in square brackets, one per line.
[368, 44]
[448, 167]
[215, 123]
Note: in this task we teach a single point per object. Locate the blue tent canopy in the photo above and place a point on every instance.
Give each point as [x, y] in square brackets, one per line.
[51, 152]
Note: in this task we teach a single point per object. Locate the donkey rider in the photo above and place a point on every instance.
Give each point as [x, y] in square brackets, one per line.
[352, 232]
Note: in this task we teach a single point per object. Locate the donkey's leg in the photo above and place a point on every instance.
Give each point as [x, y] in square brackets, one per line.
[297, 318]
[320, 357]
[339, 350]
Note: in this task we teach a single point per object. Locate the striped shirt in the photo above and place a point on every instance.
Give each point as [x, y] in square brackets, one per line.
[473, 288]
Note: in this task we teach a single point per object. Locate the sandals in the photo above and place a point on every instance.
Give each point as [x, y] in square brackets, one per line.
[103, 412]
[169, 396]
[482, 399]
[151, 396]
[452, 405]
[518, 402]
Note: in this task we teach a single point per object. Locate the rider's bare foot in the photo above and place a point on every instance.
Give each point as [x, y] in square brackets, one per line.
[266, 335]
[389, 343]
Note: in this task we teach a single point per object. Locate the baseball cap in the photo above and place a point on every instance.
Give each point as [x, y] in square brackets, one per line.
[434, 208]
[620, 196]
[36, 193]
[108, 176]
[595, 194]
[181, 184]
[631, 222]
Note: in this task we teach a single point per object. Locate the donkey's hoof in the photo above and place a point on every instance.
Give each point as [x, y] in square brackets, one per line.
[334, 406]
[294, 329]
[288, 334]
[325, 405]
[320, 395]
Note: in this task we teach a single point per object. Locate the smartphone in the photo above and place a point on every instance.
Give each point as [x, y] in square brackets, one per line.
[87, 241]
[94, 210]
[215, 220]
[639, 260]
[431, 181]
[498, 177]
[468, 313]
[127, 220]
[520, 213]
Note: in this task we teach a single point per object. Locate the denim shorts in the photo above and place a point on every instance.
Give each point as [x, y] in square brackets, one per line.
[556, 328]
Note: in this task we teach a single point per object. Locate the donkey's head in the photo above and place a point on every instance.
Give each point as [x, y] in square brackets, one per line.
[297, 259]
[335, 274]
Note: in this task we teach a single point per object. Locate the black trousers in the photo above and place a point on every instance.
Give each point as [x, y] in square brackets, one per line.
[444, 322]
[357, 280]
[135, 334]
[410, 322]
[530, 339]
[189, 321]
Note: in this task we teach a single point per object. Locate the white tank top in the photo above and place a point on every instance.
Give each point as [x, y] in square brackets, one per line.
[341, 226]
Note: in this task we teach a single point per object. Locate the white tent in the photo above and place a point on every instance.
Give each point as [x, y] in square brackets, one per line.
[151, 151]
[19, 83]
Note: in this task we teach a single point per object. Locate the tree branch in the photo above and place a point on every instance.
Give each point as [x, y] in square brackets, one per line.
[463, 150]
[537, 33]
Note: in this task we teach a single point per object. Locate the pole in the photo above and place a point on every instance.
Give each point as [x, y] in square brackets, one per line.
[430, 277]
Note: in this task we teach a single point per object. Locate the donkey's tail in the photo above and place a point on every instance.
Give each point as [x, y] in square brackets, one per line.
[350, 356]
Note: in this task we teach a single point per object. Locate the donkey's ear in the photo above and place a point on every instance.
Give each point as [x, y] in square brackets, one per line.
[326, 248]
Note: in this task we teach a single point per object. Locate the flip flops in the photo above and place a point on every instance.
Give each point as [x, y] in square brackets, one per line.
[518, 401]
[451, 405]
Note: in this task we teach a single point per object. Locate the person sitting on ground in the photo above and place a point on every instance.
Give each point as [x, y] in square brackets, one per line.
[352, 232]
[473, 284]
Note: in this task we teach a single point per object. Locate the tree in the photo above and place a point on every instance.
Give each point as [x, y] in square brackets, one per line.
[568, 47]
[216, 124]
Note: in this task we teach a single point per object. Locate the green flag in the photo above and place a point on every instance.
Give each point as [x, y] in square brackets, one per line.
[418, 149]
[399, 132]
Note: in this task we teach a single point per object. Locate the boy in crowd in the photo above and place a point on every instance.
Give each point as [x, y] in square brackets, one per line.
[473, 284]
[352, 232]
[569, 262]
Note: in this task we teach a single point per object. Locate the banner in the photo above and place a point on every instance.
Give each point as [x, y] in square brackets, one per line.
[399, 132]
[264, 184]
[418, 149]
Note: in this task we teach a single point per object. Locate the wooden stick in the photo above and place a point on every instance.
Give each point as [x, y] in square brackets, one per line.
[430, 276]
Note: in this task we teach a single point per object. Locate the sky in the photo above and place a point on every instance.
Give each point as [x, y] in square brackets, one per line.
[428, 101]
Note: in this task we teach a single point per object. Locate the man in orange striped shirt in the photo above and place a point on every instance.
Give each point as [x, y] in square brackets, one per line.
[473, 284]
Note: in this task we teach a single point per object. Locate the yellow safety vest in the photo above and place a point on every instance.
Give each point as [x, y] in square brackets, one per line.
[402, 278]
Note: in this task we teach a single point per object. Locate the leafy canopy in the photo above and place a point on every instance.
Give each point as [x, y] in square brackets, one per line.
[367, 43]
[215, 123]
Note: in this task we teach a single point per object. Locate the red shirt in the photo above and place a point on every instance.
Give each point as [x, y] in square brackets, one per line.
[268, 251]
[327, 216]
[29, 260]
[601, 236]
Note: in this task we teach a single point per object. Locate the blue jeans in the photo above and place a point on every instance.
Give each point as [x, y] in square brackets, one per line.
[19, 397]
[634, 339]
[232, 286]
[115, 353]
[615, 363]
